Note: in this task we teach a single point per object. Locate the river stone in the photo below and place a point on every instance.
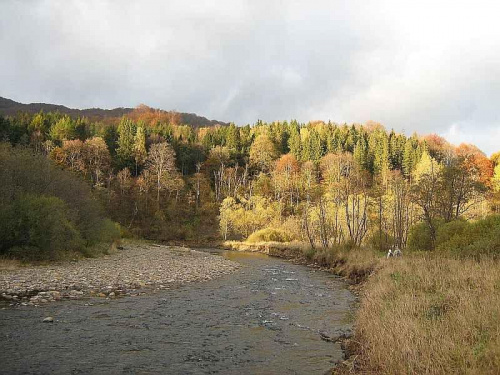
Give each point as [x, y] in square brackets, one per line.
[48, 319]
[141, 266]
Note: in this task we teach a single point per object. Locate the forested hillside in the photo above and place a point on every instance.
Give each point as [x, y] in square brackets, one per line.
[9, 107]
[324, 183]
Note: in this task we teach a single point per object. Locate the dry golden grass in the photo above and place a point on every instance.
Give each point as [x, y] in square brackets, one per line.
[431, 316]
[357, 264]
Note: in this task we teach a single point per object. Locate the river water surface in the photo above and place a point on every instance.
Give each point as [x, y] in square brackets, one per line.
[266, 318]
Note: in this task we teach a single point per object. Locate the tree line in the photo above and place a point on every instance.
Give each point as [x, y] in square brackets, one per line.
[325, 183]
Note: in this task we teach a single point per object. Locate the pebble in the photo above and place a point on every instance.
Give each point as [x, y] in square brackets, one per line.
[48, 319]
[138, 266]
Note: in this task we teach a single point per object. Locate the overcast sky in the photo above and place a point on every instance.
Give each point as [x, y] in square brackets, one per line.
[424, 66]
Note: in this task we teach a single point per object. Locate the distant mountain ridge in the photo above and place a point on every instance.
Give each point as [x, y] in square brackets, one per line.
[10, 107]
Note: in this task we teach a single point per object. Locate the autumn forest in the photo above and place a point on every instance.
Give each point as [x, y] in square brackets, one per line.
[327, 184]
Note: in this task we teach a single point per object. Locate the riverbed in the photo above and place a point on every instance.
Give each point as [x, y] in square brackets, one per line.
[268, 317]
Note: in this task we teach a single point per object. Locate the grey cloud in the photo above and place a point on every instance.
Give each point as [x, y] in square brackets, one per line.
[414, 67]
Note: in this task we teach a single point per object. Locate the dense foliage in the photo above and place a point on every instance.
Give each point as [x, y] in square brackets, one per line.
[324, 183]
[46, 211]
[459, 237]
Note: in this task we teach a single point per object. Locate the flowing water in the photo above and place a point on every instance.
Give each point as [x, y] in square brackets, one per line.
[266, 318]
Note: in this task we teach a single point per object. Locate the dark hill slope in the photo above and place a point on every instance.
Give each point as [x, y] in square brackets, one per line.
[9, 107]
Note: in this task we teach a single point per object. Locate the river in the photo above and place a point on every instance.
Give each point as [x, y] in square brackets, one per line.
[266, 318]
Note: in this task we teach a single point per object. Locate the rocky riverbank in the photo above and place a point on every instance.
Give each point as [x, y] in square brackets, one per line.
[133, 270]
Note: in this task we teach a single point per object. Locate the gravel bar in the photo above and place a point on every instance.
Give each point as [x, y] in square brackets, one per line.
[136, 269]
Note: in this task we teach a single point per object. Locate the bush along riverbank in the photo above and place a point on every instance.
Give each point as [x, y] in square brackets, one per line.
[422, 313]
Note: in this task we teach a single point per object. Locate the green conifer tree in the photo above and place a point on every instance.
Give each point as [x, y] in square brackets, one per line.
[315, 146]
[126, 140]
[360, 153]
[233, 139]
[140, 154]
[381, 155]
[294, 141]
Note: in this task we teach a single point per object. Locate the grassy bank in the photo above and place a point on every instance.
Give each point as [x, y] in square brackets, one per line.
[418, 314]
[431, 315]
[355, 265]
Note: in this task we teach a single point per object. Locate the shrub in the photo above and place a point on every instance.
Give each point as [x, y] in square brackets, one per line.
[486, 245]
[419, 238]
[45, 210]
[448, 231]
[268, 234]
[470, 239]
[38, 227]
[460, 238]
[292, 227]
[109, 231]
